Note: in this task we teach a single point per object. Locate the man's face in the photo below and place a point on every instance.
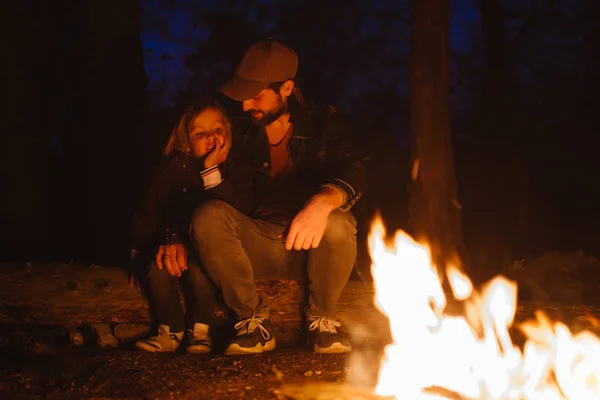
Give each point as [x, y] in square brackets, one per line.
[265, 107]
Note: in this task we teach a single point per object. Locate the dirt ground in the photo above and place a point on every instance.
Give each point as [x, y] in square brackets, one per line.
[42, 306]
[38, 363]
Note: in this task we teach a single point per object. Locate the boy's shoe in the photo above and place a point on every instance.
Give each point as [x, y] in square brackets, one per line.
[163, 342]
[199, 340]
[254, 335]
[325, 337]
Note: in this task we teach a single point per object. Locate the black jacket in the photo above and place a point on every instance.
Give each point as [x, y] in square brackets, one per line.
[323, 154]
[175, 191]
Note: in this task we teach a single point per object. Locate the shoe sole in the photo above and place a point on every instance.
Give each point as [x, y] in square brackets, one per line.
[235, 350]
[198, 350]
[335, 348]
[151, 349]
[270, 345]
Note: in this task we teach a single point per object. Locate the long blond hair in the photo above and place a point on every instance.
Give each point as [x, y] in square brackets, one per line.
[180, 136]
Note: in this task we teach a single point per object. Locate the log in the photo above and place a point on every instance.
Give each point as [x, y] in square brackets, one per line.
[72, 295]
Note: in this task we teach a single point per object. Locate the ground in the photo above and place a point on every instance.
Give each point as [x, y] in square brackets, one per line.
[34, 365]
[46, 309]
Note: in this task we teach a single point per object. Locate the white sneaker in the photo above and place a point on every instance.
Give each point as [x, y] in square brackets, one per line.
[165, 341]
[199, 340]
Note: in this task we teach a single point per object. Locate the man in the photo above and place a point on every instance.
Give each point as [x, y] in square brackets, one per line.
[309, 177]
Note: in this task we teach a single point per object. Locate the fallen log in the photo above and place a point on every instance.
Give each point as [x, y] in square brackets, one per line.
[72, 295]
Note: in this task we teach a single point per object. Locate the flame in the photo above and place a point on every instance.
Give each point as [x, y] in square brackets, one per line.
[435, 355]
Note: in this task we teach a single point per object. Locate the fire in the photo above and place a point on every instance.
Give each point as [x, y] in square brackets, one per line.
[436, 355]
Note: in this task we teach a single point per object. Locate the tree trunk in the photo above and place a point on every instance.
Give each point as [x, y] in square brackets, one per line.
[501, 143]
[434, 207]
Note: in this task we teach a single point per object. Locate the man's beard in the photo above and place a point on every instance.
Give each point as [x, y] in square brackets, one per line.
[265, 118]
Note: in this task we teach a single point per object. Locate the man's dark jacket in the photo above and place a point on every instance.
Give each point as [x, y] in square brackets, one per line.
[323, 153]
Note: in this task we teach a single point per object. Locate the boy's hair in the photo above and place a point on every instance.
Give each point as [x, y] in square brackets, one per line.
[180, 138]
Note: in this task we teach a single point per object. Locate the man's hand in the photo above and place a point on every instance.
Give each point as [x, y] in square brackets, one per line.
[173, 257]
[308, 227]
[220, 153]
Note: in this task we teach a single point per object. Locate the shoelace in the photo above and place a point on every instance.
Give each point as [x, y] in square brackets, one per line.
[252, 323]
[325, 325]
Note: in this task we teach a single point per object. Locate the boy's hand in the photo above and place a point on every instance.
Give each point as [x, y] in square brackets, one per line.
[173, 257]
[220, 153]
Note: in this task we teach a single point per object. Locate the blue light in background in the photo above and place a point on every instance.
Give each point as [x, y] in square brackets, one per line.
[171, 35]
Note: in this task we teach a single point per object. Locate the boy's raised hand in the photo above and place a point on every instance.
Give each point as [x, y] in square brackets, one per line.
[220, 153]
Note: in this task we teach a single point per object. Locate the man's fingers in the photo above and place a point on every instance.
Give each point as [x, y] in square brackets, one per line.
[316, 241]
[308, 241]
[291, 237]
[299, 242]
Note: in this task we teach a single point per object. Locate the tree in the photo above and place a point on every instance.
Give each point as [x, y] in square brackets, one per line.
[434, 207]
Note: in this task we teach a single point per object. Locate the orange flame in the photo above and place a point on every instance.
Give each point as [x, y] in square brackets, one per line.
[438, 356]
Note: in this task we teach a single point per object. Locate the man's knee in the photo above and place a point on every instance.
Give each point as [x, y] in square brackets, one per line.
[212, 217]
[341, 228]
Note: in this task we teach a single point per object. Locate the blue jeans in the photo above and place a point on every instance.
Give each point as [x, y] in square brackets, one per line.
[163, 293]
[235, 249]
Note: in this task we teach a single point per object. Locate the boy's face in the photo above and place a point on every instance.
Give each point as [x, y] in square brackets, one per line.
[206, 132]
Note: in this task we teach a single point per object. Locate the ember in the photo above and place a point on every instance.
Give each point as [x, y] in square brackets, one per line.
[472, 356]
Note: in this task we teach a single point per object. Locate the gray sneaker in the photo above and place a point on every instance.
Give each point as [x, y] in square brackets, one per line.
[254, 335]
[325, 337]
[163, 342]
[199, 340]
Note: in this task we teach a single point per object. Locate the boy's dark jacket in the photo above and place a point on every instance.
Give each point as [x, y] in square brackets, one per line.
[177, 189]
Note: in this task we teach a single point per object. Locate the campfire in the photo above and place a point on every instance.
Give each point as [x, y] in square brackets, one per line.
[470, 354]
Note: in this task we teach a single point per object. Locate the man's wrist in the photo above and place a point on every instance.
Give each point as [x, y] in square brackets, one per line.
[329, 198]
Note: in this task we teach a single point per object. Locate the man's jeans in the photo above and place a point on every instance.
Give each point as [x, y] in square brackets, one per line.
[162, 291]
[236, 249]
